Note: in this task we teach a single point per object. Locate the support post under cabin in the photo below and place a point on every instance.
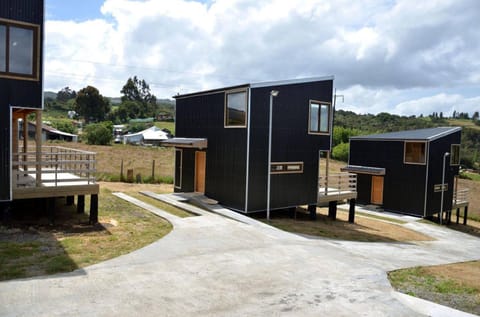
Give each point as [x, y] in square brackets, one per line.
[313, 212]
[80, 204]
[351, 211]
[93, 209]
[332, 209]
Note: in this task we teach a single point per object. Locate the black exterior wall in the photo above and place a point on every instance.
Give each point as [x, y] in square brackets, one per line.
[406, 187]
[290, 143]
[18, 93]
[437, 150]
[201, 115]
[21, 92]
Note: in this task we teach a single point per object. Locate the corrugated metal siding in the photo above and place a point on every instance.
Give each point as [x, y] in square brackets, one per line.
[290, 143]
[30, 11]
[5, 155]
[15, 92]
[437, 149]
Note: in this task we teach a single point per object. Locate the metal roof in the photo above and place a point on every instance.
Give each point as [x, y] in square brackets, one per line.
[417, 135]
[256, 85]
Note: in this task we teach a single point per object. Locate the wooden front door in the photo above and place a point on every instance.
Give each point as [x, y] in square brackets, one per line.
[377, 190]
[200, 166]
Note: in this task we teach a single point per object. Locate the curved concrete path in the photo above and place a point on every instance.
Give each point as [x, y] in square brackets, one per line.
[213, 266]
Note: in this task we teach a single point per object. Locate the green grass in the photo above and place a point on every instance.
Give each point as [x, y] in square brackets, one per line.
[166, 124]
[34, 250]
[432, 284]
[471, 176]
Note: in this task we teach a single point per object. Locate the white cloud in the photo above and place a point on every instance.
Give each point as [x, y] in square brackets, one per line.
[386, 56]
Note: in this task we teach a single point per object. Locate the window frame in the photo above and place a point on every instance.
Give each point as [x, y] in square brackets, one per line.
[405, 153]
[177, 183]
[285, 169]
[225, 121]
[329, 116]
[457, 146]
[35, 71]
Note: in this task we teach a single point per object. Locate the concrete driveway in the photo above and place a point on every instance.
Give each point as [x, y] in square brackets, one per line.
[213, 266]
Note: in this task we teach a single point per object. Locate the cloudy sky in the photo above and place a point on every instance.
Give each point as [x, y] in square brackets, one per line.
[406, 57]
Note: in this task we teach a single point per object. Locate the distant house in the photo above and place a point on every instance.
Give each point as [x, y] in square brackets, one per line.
[222, 143]
[151, 136]
[50, 134]
[402, 171]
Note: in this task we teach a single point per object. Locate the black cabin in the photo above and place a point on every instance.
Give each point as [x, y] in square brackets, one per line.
[21, 83]
[222, 142]
[402, 171]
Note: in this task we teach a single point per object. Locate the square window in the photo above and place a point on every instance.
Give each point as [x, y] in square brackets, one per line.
[19, 50]
[415, 153]
[455, 154]
[236, 109]
[319, 117]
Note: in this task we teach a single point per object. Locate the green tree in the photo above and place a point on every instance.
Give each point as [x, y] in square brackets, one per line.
[66, 94]
[91, 105]
[138, 96]
[99, 133]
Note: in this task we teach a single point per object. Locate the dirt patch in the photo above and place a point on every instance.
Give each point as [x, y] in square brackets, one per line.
[364, 229]
[467, 273]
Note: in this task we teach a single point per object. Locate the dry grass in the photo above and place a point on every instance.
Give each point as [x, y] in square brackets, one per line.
[365, 228]
[138, 158]
[473, 197]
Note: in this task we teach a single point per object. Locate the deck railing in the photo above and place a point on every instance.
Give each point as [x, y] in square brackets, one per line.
[55, 165]
[337, 183]
[460, 196]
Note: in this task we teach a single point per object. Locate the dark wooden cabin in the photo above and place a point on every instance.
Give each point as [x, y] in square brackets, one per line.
[402, 171]
[222, 142]
[41, 172]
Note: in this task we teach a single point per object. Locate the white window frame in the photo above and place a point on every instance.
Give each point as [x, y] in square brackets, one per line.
[235, 91]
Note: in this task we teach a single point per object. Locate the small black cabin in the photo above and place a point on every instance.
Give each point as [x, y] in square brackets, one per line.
[402, 171]
[222, 142]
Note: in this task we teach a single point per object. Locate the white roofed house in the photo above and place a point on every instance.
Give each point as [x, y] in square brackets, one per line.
[152, 136]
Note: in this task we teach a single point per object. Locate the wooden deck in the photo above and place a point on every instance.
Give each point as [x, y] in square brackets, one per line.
[337, 187]
[55, 172]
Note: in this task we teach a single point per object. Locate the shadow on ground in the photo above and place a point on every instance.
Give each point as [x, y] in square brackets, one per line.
[30, 245]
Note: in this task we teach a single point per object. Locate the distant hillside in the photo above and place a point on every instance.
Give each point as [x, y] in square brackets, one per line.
[49, 95]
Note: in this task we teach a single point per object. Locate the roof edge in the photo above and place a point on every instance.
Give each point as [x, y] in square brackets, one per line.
[291, 81]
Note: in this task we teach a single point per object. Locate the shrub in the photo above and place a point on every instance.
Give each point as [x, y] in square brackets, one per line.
[340, 152]
[99, 133]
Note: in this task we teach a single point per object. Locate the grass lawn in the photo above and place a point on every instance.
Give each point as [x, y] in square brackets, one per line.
[454, 285]
[167, 125]
[33, 248]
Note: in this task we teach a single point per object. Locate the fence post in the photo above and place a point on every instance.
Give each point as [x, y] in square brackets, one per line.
[153, 170]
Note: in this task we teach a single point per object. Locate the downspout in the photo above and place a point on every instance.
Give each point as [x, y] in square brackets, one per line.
[249, 110]
[426, 181]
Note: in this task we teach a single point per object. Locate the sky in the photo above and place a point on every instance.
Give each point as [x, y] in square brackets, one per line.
[406, 57]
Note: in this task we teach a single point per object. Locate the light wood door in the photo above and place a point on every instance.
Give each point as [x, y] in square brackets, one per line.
[377, 190]
[200, 166]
